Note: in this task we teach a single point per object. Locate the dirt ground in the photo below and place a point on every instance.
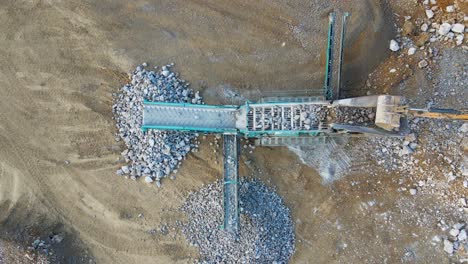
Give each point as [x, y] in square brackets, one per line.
[62, 60]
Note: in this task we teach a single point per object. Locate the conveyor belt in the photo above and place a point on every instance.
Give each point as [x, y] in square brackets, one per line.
[189, 117]
[231, 186]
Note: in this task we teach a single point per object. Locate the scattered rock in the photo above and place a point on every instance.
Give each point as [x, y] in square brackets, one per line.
[458, 28]
[413, 191]
[411, 51]
[454, 232]
[422, 64]
[429, 13]
[462, 235]
[444, 28]
[394, 45]
[448, 246]
[450, 8]
[464, 128]
[424, 27]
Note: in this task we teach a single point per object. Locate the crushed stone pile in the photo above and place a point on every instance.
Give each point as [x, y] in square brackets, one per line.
[267, 231]
[152, 154]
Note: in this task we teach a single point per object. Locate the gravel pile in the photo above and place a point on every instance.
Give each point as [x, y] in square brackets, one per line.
[151, 154]
[267, 231]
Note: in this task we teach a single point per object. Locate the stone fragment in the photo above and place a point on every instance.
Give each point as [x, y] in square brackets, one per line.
[422, 64]
[450, 8]
[424, 27]
[462, 235]
[444, 28]
[429, 13]
[394, 45]
[458, 28]
[448, 246]
[454, 232]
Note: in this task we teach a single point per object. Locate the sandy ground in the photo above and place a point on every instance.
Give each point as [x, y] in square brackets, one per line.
[62, 60]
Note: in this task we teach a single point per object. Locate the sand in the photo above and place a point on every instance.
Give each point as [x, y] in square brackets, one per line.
[62, 60]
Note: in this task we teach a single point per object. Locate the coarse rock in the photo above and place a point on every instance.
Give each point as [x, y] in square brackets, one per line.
[125, 169]
[424, 27]
[448, 246]
[394, 45]
[464, 128]
[454, 232]
[267, 231]
[444, 28]
[410, 137]
[422, 64]
[462, 235]
[459, 39]
[429, 13]
[458, 28]
[406, 150]
[411, 51]
[450, 8]
[148, 179]
[408, 28]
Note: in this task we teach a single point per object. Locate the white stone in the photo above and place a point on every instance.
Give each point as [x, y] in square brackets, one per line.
[450, 9]
[444, 28]
[125, 169]
[392, 70]
[462, 235]
[459, 39]
[422, 64]
[429, 13]
[454, 232]
[411, 51]
[458, 28]
[448, 246]
[413, 191]
[406, 150]
[424, 27]
[394, 45]
[165, 73]
[148, 179]
[464, 128]
[462, 202]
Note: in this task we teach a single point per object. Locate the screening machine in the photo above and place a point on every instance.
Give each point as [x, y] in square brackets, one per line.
[280, 121]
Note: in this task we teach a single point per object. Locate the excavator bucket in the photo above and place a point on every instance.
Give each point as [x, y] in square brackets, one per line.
[389, 112]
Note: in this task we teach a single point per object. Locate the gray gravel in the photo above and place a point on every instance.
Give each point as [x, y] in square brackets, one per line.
[267, 231]
[151, 154]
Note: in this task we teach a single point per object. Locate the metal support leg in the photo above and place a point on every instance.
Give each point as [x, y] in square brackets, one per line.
[340, 64]
[231, 184]
[328, 90]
